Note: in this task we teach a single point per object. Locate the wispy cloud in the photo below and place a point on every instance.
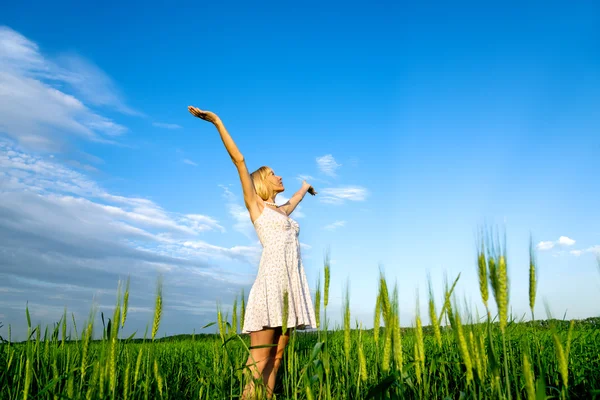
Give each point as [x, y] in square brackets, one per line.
[562, 241]
[92, 84]
[189, 162]
[243, 223]
[340, 195]
[592, 249]
[228, 194]
[78, 240]
[307, 178]
[165, 125]
[333, 226]
[204, 222]
[63, 187]
[36, 110]
[328, 165]
[312, 180]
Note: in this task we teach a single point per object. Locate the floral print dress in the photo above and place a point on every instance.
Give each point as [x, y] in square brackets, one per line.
[280, 270]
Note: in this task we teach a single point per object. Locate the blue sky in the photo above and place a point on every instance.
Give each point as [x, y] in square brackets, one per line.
[415, 124]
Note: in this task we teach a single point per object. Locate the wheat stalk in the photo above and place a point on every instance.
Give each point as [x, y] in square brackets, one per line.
[463, 348]
[286, 306]
[126, 380]
[157, 308]
[362, 361]
[483, 276]
[476, 356]
[419, 335]
[387, 350]
[220, 323]
[502, 292]
[55, 375]
[562, 360]
[318, 303]
[433, 317]
[347, 338]
[101, 381]
[377, 319]
[417, 363]
[327, 280]
[529, 378]
[242, 311]
[234, 320]
[159, 378]
[125, 303]
[84, 352]
[569, 339]
[420, 344]
[532, 277]
[28, 376]
[138, 363]
[396, 335]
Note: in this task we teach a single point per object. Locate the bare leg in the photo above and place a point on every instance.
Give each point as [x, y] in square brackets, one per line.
[259, 359]
[272, 377]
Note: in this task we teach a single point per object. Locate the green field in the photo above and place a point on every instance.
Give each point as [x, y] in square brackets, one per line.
[452, 358]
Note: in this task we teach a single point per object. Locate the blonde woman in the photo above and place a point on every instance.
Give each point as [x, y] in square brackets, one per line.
[280, 271]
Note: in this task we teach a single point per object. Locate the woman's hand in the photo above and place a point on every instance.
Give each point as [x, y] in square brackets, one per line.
[205, 115]
[308, 188]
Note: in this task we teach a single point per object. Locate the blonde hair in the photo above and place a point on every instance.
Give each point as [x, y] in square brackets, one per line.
[259, 178]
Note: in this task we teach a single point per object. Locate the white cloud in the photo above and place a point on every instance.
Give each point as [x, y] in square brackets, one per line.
[311, 179]
[77, 195]
[204, 222]
[592, 249]
[250, 254]
[307, 178]
[243, 223]
[189, 162]
[36, 110]
[165, 125]
[91, 83]
[565, 241]
[339, 195]
[328, 165]
[227, 194]
[334, 225]
[562, 241]
[63, 233]
[545, 245]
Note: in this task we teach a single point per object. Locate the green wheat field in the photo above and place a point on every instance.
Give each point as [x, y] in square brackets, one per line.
[459, 356]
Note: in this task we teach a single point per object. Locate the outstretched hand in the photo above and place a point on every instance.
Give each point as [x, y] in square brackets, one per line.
[311, 189]
[202, 114]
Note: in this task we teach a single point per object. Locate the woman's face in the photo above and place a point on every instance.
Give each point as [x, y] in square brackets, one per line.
[275, 182]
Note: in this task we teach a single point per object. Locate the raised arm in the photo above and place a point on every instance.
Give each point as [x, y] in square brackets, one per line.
[291, 204]
[250, 196]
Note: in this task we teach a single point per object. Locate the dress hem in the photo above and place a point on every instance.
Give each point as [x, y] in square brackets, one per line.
[301, 327]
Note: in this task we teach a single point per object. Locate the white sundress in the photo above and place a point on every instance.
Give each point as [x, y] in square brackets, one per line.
[280, 269]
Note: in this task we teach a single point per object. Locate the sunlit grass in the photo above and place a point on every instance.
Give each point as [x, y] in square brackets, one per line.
[456, 356]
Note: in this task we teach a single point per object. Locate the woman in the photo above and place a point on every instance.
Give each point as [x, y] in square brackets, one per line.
[280, 272]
